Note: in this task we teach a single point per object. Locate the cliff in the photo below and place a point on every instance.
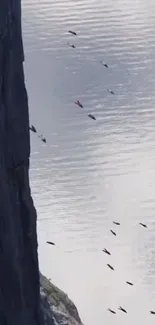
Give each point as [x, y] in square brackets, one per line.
[19, 273]
[56, 304]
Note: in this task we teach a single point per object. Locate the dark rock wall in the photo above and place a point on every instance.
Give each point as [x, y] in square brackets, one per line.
[19, 275]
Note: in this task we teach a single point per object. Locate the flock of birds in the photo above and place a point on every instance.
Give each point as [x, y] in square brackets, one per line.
[112, 268]
[33, 129]
[78, 103]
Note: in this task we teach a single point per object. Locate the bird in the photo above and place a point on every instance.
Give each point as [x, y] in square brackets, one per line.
[71, 45]
[122, 309]
[116, 223]
[113, 232]
[104, 64]
[50, 243]
[143, 225]
[130, 283]
[78, 103]
[110, 91]
[112, 311]
[106, 251]
[33, 129]
[92, 116]
[111, 267]
[71, 32]
[43, 139]
[152, 312]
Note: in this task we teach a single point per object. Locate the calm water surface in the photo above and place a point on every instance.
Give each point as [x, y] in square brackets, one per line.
[93, 172]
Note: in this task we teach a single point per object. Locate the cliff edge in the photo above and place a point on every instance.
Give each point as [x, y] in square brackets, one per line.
[20, 302]
[56, 305]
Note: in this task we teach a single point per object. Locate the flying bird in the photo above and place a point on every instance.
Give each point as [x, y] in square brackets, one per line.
[152, 312]
[50, 243]
[92, 116]
[110, 91]
[71, 45]
[33, 129]
[43, 139]
[104, 64]
[122, 309]
[106, 251]
[143, 225]
[78, 103]
[110, 267]
[130, 283]
[71, 32]
[113, 232]
[111, 311]
[116, 223]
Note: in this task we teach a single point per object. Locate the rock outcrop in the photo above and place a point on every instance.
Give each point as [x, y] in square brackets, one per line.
[56, 305]
[20, 302]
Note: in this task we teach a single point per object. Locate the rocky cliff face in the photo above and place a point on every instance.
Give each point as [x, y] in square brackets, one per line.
[19, 274]
[56, 305]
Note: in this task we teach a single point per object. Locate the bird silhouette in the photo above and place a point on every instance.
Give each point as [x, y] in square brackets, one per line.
[152, 312]
[44, 140]
[116, 223]
[122, 309]
[92, 116]
[106, 251]
[110, 267]
[33, 129]
[71, 45]
[78, 103]
[71, 32]
[110, 91]
[143, 225]
[50, 243]
[113, 232]
[130, 283]
[104, 64]
[111, 311]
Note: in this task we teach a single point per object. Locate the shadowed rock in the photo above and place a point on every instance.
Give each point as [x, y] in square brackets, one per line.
[19, 274]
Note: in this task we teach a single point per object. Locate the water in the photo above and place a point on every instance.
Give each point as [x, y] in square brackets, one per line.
[93, 172]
